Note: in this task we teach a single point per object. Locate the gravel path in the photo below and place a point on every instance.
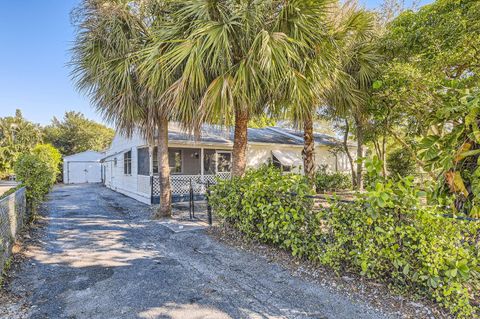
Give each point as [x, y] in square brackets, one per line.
[100, 256]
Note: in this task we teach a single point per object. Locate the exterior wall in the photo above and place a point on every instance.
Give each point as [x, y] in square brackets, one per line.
[132, 185]
[82, 167]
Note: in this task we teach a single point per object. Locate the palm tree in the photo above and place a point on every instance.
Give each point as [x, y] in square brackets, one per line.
[106, 61]
[348, 92]
[233, 60]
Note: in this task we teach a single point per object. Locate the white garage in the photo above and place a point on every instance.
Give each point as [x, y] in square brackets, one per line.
[84, 167]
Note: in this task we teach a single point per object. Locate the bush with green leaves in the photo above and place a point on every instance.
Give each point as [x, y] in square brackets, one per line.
[400, 163]
[331, 181]
[267, 205]
[37, 171]
[385, 234]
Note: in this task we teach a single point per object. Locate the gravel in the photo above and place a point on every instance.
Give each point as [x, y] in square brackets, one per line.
[97, 254]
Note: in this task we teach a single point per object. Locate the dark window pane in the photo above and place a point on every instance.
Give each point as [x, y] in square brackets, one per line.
[224, 162]
[143, 161]
[209, 162]
[175, 161]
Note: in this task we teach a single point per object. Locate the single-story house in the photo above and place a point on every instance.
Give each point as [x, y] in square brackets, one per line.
[84, 167]
[130, 165]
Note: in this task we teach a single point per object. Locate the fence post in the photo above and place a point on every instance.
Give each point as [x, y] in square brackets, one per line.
[190, 200]
[209, 208]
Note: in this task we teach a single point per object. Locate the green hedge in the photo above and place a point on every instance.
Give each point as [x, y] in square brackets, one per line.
[262, 205]
[331, 181]
[37, 171]
[385, 234]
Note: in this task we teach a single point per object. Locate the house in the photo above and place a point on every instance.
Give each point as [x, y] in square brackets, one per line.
[130, 165]
[84, 167]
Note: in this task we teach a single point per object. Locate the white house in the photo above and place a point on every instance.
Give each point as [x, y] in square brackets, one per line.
[130, 165]
[84, 167]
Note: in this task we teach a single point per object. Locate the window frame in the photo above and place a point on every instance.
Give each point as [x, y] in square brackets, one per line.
[172, 171]
[127, 163]
[141, 149]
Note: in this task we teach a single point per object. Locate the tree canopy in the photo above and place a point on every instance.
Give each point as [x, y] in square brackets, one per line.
[75, 133]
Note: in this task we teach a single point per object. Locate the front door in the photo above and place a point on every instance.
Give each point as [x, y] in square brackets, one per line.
[224, 162]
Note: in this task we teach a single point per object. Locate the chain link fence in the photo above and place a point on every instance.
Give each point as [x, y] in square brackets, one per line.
[13, 215]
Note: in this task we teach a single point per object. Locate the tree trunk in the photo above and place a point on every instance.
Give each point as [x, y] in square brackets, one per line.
[165, 209]
[359, 128]
[384, 157]
[308, 153]
[347, 151]
[240, 140]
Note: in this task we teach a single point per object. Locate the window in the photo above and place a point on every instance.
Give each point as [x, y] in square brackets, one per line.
[175, 161]
[127, 163]
[155, 160]
[209, 162]
[143, 161]
[224, 162]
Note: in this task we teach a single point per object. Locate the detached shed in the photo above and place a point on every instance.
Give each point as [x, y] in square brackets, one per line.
[84, 167]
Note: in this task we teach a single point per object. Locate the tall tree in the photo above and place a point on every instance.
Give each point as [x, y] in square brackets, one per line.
[235, 59]
[106, 61]
[349, 91]
[75, 133]
[17, 136]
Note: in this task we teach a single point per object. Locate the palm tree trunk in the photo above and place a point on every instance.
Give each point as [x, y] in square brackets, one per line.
[309, 151]
[347, 151]
[240, 140]
[359, 127]
[165, 209]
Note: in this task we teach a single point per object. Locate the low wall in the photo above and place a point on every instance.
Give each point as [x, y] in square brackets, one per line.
[13, 216]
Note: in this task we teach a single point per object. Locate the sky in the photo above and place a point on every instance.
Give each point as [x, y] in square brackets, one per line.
[35, 38]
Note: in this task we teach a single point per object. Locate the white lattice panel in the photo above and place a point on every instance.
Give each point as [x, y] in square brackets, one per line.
[181, 183]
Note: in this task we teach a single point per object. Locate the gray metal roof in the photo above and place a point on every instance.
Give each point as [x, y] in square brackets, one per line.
[270, 135]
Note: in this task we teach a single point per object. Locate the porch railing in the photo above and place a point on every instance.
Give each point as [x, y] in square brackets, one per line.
[181, 183]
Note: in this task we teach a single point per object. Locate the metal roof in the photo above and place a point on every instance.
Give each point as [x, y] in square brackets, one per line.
[270, 135]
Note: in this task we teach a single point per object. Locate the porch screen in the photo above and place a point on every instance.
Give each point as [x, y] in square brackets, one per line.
[143, 160]
[209, 162]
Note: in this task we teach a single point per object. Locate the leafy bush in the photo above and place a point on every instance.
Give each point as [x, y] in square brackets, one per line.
[400, 163]
[51, 156]
[385, 234]
[267, 205]
[37, 171]
[326, 181]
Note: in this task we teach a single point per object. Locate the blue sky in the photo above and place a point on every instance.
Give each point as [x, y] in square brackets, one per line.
[35, 37]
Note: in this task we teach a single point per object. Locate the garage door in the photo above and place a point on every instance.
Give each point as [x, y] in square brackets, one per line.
[84, 172]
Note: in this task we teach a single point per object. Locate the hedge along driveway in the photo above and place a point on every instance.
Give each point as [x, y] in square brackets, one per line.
[100, 257]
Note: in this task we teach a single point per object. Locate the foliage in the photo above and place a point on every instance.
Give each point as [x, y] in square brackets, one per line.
[267, 205]
[50, 155]
[452, 150]
[11, 191]
[17, 136]
[37, 172]
[442, 38]
[400, 163]
[331, 181]
[386, 234]
[75, 134]
[261, 121]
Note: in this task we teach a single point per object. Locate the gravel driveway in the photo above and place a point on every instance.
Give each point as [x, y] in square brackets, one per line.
[101, 257]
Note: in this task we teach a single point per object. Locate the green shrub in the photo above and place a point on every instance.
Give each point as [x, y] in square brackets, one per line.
[400, 163]
[37, 171]
[51, 156]
[326, 181]
[386, 234]
[267, 205]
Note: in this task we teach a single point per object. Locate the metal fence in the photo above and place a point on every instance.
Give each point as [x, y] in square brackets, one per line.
[13, 216]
